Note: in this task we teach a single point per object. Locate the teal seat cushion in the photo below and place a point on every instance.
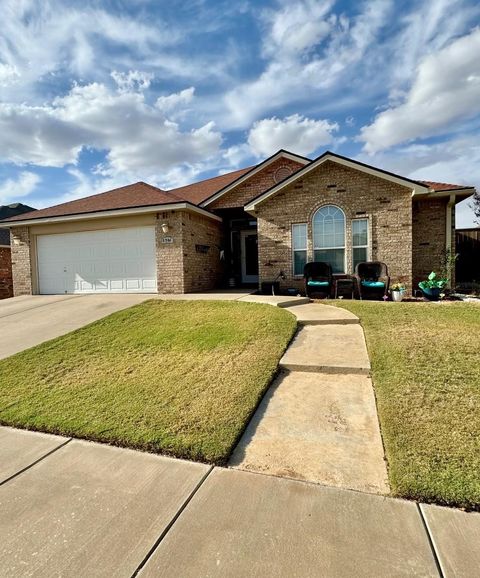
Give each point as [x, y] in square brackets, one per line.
[313, 283]
[373, 284]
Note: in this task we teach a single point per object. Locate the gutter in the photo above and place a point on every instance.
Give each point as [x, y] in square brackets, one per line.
[111, 213]
[450, 204]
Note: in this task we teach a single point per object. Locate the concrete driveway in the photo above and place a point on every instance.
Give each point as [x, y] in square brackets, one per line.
[29, 320]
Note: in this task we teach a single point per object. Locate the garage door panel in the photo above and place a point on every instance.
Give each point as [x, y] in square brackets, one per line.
[115, 260]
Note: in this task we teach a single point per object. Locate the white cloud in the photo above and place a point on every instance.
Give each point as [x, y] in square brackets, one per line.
[173, 101]
[309, 65]
[454, 161]
[133, 80]
[296, 133]
[44, 39]
[236, 156]
[427, 29]
[297, 27]
[136, 135]
[446, 90]
[8, 74]
[13, 189]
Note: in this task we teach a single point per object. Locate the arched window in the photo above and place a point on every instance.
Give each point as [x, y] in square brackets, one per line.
[329, 237]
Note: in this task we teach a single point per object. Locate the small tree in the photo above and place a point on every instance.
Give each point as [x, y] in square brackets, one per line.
[476, 206]
[448, 266]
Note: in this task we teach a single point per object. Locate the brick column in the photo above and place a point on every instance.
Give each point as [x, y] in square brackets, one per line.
[21, 261]
[6, 283]
[170, 266]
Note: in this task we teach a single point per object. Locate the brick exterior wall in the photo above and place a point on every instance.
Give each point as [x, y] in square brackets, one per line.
[248, 190]
[169, 255]
[21, 261]
[388, 207]
[6, 280]
[430, 237]
[182, 267]
[202, 242]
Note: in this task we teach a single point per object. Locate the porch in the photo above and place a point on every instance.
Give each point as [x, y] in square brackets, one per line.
[241, 249]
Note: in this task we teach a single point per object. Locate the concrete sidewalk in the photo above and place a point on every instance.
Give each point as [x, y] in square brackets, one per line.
[318, 421]
[75, 508]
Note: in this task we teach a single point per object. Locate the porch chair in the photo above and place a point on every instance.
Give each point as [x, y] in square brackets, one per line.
[318, 278]
[372, 279]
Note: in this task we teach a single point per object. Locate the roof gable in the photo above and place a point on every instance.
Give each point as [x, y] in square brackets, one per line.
[416, 186]
[198, 192]
[137, 195]
[253, 171]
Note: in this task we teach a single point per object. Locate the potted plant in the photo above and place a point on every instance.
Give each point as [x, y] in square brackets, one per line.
[397, 291]
[432, 287]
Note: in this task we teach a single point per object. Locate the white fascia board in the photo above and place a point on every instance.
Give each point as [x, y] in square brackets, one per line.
[416, 188]
[466, 192]
[114, 213]
[257, 169]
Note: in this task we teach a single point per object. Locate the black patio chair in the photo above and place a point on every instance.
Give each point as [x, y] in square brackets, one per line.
[318, 278]
[372, 279]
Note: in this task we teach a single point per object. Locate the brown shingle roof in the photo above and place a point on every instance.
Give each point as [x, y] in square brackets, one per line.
[444, 186]
[198, 192]
[137, 195]
[143, 195]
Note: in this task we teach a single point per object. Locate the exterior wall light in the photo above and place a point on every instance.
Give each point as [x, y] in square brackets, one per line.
[165, 228]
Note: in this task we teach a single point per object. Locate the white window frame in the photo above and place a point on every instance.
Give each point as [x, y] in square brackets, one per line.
[298, 275]
[344, 247]
[367, 246]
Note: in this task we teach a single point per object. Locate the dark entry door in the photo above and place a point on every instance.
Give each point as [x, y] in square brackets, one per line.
[249, 257]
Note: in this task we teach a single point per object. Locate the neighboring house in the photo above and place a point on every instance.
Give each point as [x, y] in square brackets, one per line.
[6, 281]
[247, 226]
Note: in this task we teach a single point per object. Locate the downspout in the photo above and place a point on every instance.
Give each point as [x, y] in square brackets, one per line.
[448, 236]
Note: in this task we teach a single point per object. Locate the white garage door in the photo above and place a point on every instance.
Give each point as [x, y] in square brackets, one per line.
[106, 261]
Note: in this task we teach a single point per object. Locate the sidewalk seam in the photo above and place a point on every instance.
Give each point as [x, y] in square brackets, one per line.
[168, 527]
[431, 542]
[40, 459]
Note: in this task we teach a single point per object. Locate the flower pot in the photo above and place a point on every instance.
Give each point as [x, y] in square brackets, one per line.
[397, 295]
[432, 294]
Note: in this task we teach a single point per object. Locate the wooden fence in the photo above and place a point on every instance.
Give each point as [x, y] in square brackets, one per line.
[468, 249]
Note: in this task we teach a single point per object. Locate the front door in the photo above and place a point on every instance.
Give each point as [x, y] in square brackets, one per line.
[249, 257]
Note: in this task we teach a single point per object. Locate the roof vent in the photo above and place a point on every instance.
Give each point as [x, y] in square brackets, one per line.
[282, 173]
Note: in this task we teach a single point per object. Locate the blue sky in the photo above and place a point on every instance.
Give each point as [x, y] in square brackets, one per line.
[95, 95]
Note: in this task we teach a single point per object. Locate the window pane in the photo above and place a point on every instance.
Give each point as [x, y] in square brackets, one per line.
[329, 228]
[299, 261]
[360, 232]
[359, 256]
[299, 234]
[334, 257]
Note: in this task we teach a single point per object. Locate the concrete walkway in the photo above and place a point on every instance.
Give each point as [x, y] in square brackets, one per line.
[318, 422]
[72, 508]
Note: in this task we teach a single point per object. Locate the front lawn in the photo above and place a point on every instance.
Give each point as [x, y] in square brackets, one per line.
[426, 373]
[175, 377]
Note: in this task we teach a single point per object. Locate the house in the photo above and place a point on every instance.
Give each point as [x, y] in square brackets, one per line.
[246, 226]
[6, 281]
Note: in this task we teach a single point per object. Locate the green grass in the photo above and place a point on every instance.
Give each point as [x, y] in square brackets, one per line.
[426, 372]
[176, 377]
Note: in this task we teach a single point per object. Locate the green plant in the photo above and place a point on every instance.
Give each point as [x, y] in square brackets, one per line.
[398, 287]
[448, 265]
[433, 282]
